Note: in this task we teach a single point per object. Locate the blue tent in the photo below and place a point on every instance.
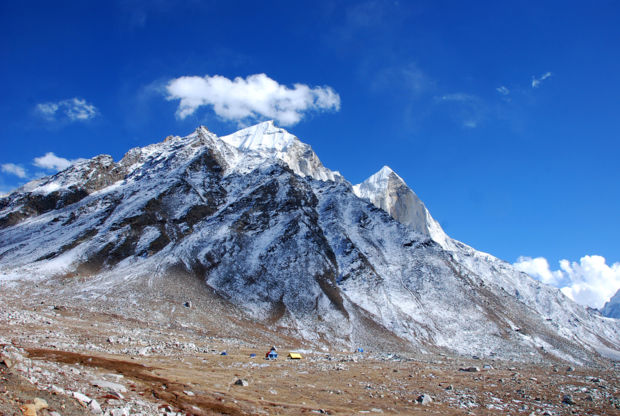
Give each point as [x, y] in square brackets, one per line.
[272, 354]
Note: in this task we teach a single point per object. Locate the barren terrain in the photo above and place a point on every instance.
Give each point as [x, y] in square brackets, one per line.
[83, 361]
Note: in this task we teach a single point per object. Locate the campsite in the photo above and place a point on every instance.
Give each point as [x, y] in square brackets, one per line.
[180, 371]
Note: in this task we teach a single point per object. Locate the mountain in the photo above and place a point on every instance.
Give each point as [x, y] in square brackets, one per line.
[611, 309]
[264, 239]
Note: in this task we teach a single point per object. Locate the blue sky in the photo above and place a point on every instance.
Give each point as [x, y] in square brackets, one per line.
[504, 117]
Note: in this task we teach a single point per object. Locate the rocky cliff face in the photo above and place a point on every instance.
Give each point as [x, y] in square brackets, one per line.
[282, 239]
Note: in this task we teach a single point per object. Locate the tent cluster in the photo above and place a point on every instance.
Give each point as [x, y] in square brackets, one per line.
[272, 354]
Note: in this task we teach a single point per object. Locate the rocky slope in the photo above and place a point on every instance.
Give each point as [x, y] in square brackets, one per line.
[279, 239]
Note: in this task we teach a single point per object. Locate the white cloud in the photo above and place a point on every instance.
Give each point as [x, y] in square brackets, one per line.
[72, 109]
[590, 281]
[536, 81]
[14, 169]
[539, 269]
[256, 96]
[503, 90]
[48, 110]
[52, 162]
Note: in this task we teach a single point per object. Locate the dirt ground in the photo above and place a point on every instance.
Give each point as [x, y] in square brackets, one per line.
[84, 362]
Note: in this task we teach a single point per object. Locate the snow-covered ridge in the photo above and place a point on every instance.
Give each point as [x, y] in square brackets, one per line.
[261, 137]
[242, 151]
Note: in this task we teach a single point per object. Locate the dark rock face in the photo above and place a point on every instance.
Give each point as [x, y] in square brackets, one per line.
[274, 228]
[31, 205]
[172, 213]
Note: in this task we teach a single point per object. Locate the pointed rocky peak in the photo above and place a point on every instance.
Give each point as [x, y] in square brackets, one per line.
[202, 131]
[265, 136]
[384, 172]
[388, 191]
[378, 183]
[267, 140]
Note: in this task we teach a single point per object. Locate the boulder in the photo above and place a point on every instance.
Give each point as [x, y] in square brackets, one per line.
[31, 409]
[6, 361]
[82, 398]
[95, 407]
[108, 385]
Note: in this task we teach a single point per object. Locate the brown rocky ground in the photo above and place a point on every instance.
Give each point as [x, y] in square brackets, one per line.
[83, 361]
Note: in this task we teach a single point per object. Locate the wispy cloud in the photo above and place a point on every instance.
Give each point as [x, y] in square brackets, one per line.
[458, 97]
[72, 109]
[467, 109]
[536, 81]
[503, 90]
[590, 282]
[52, 162]
[254, 97]
[14, 169]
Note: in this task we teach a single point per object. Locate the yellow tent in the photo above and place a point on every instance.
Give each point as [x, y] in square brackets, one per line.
[294, 356]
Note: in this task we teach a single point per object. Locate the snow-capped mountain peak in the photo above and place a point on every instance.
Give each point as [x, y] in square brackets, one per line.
[377, 183]
[268, 140]
[388, 191]
[384, 172]
[263, 136]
